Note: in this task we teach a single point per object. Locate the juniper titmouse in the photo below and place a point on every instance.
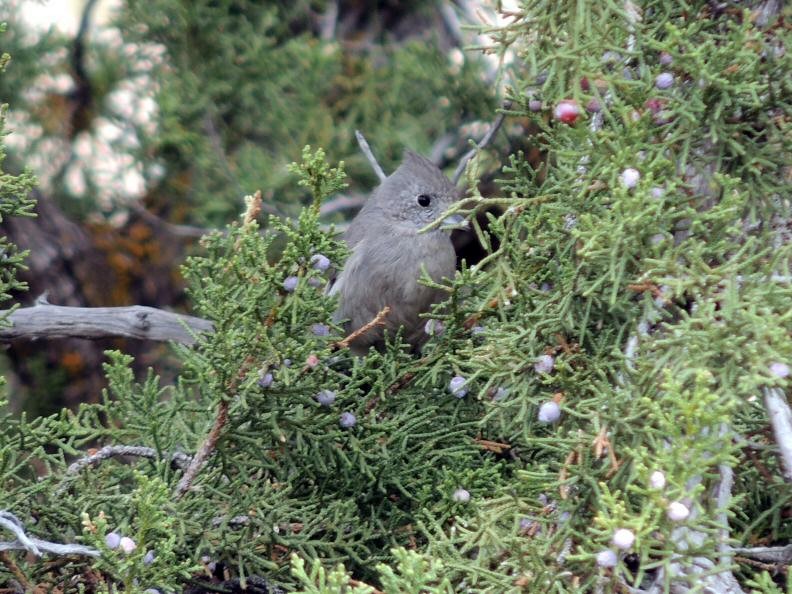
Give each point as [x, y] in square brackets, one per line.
[388, 253]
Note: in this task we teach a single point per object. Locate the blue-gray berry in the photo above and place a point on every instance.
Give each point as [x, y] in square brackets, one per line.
[549, 412]
[320, 330]
[265, 380]
[664, 80]
[544, 364]
[290, 283]
[347, 420]
[326, 397]
[457, 386]
[320, 262]
[607, 558]
[112, 540]
[461, 495]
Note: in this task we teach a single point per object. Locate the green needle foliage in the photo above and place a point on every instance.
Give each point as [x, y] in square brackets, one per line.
[614, 344]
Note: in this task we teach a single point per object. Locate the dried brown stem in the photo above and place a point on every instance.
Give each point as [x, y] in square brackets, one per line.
[206, 449]
[14, 570]
[378, 320]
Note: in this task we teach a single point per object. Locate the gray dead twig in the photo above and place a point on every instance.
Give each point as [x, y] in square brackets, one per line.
[364, 146]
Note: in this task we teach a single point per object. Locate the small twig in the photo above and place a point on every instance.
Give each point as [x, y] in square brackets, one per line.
[781, 555]
[206, 449]
[781, 420]
[364, 146]
[178, 459]
[342, 202]
[172, 228]
[481, 145]
[492, 446]
[379, 320]
[774, 567]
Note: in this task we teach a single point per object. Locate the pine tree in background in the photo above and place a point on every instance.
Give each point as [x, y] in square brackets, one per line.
[593, 416]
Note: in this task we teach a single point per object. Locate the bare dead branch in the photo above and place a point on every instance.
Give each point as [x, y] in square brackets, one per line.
[364, 146]
[34, 545]
[481, 145]
[145, 323]
[781, 420]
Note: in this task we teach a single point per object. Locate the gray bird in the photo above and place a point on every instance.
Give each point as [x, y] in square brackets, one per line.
[388, 253]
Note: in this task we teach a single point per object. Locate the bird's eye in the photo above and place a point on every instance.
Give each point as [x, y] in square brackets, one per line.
[424, 199]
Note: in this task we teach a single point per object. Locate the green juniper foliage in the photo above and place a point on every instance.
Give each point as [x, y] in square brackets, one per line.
[613, 345]
[14, 201]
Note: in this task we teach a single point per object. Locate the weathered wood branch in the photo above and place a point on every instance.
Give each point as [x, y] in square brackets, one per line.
[780, 416]
[57, 321]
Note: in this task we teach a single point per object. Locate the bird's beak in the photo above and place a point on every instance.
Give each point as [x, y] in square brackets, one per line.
[454, 221]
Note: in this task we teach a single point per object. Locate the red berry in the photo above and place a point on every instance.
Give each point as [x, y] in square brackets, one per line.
[567, 111]
[655, 105]
[584, 84]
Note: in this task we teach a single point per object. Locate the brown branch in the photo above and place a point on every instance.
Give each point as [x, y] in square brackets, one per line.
[44, 320]
[481, 145]
[14, 570]
[379, 320]
[492, 446]
[206, 449]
